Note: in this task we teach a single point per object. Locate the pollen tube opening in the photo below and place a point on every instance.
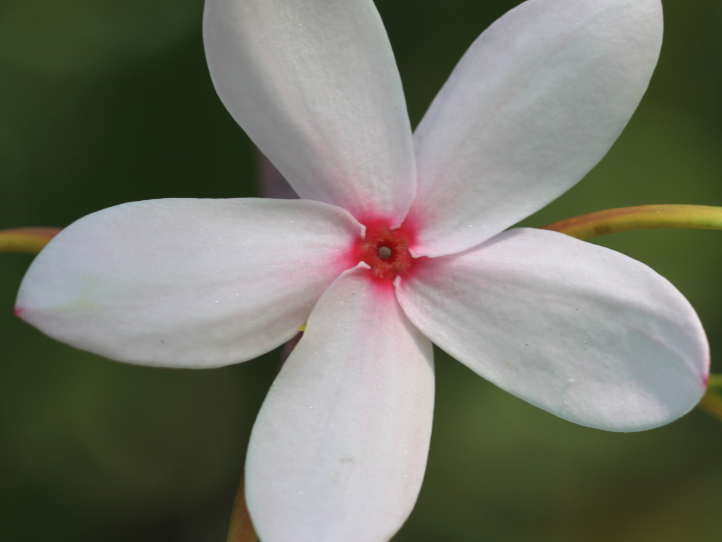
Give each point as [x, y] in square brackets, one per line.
[386, 250]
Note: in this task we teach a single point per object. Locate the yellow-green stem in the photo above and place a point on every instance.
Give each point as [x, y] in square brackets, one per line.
[30, 240]
[712, 404]
[640, 218]
[712, 400]
[715, 383]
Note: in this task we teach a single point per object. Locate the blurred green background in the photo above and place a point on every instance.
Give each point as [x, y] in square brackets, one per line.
[104, 102]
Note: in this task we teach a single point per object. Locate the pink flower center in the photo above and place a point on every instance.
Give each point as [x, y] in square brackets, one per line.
[385, 250]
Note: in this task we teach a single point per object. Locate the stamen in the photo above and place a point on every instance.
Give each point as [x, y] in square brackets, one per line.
[385, 251]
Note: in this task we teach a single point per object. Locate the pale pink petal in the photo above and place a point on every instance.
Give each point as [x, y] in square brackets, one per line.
[187, 283]
[314, 84]
[339, 448]
[576, 329]
[534, 104]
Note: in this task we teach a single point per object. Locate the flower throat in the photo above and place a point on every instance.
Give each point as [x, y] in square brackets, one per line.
[386, 251]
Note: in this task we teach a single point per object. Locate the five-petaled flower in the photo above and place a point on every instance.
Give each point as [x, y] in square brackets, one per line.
[399, 241]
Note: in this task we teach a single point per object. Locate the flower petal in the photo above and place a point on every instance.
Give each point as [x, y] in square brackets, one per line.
[187, 283]
[576, 329]
[314, 84]
[533, 105]
[339, 448]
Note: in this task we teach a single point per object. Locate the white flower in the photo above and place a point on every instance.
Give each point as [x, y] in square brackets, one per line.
[339, 448]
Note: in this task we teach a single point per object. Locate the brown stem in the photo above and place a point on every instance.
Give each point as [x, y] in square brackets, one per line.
[241, 528]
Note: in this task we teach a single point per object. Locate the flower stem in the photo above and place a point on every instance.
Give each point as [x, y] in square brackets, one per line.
[712, 404]
[241, 528]
[640, 218]
[647, 217]
[30, 240]
[715, 383]
[712, 400]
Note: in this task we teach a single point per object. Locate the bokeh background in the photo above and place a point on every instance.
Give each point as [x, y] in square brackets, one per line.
[104, 102]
